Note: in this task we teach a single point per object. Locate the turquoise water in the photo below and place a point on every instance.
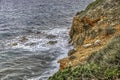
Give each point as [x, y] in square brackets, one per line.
[34, 35]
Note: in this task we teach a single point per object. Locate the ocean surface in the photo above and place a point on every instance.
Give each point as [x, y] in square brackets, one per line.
[34, 35]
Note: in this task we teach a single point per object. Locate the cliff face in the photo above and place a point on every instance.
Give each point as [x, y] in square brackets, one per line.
[91, 30]
[95, 35]
[98, 16]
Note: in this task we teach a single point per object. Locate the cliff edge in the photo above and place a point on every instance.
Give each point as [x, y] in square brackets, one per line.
[95, 35]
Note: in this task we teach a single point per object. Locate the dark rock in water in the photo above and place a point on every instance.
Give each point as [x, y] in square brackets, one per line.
[23, 39]
[71, 52]
[29, 31]
[38, 32]
[52, 42]
[31, 44]
[51, 36]
[14, 44]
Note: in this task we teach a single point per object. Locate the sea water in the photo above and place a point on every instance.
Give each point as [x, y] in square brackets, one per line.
[34, 36]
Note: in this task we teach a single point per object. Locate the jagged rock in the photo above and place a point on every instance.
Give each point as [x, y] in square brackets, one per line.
[93, 34]
[81, 40]
[76, 27]
[71, 52]
[72, 57]
[82, 26]
[87, 45]
[97, 42]
[52, 42]
[90, 22]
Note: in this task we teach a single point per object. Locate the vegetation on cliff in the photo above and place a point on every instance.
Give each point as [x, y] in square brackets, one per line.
[95, 35]
[101, 65]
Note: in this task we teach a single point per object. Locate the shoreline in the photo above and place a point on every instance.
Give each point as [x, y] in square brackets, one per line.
[92, 34]
[103, 38]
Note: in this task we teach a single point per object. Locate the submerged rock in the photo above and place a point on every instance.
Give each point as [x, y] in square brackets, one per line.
[38, 32]
[23, 39]
[52, 42]
[14, 44]
[50, 36]
[31, 44]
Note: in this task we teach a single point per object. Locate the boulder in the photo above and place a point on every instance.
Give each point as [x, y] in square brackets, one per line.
[97, 42]
[87, 45]
[52, 42]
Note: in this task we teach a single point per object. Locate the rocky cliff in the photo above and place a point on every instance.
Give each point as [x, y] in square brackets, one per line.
[95, 35]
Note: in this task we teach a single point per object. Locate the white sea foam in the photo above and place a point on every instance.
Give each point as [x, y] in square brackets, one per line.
[39, 44]
[62, 44]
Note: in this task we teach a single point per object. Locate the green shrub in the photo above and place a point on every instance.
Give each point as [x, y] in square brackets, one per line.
[93, 34]
[111, 73]
[86, 26]
[80, 41]
[100, 30]
[90, 6]
[93, 4]
[109, 31]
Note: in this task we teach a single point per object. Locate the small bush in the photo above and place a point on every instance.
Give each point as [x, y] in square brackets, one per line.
[87, 71]
[93, 34]
[81, 40]
[80, 13]
[111, 73]
[100, 30]
[86, 26]
[93, 4]
[109, 31]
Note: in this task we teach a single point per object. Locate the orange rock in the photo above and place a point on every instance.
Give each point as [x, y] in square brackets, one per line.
[62, 64]
[89, 21]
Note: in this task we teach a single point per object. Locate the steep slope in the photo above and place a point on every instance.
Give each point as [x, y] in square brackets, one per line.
[95, 35]
[101, 65]
[92, 29]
